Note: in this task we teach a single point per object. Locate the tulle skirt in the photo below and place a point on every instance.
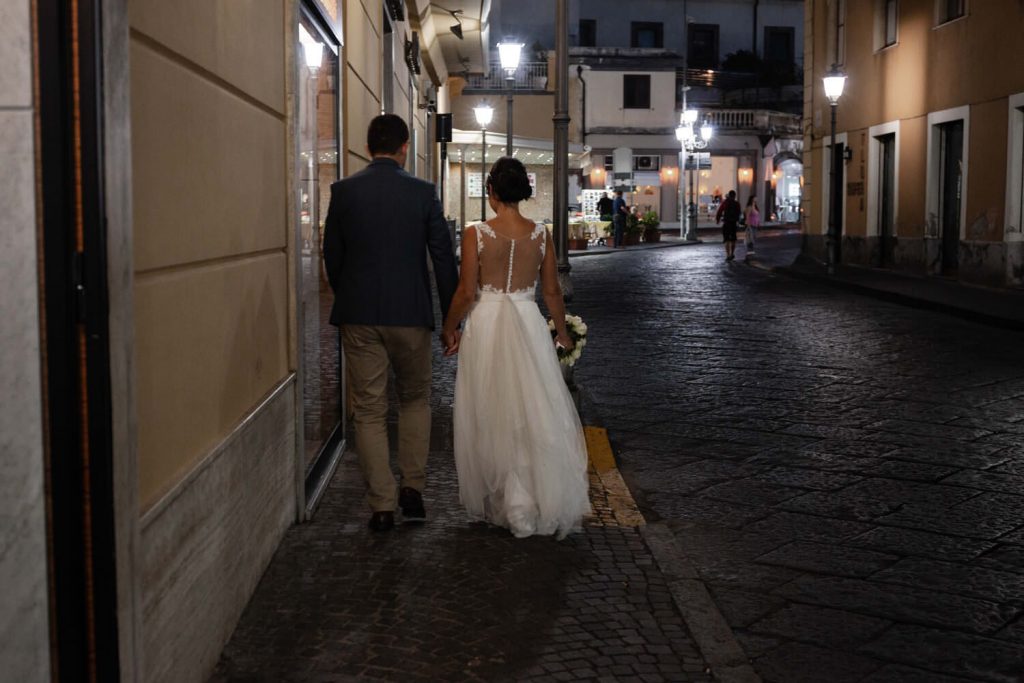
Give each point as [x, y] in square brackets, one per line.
[519, 447]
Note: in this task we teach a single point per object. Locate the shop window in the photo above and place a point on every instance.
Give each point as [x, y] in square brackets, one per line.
[317, 94]
[702, 50]
[646, 34]
[636, 92]
[588, 33]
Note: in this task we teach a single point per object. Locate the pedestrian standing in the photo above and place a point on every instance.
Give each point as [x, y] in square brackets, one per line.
[729, 214]
[381, 224]
[619, 212]
[752, 217]
[604, 207]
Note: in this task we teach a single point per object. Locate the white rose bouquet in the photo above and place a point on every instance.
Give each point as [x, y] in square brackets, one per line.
[577, 330]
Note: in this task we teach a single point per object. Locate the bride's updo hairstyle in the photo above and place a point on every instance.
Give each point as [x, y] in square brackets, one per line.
[508, 181]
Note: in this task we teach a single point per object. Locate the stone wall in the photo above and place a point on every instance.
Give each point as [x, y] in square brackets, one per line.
[24, 631]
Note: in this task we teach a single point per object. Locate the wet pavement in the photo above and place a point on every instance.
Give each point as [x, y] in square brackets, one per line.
[846, 475]
[454, 600]
[832, 490]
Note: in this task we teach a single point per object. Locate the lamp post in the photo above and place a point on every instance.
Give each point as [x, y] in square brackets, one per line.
[835, 81]
[510, 53]
[483, 113]
[689, 142]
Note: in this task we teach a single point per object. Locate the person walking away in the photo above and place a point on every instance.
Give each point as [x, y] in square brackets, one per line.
[752, 218]
[519, 448]
[729, 213]
[381, 224]
[619, 212]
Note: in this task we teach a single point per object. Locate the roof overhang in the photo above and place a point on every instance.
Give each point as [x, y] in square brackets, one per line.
[443, 52]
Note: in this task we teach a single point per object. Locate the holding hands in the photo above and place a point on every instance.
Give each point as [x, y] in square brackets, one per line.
[450, 340]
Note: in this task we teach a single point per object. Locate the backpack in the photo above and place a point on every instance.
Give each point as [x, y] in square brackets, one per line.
[732, 211]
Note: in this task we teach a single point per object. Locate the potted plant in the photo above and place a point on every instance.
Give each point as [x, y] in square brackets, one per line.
[650, 223]
[578, 235]
[634, 229]
[609, 234]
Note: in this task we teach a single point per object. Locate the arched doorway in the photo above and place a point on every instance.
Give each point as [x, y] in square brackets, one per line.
[786, 187]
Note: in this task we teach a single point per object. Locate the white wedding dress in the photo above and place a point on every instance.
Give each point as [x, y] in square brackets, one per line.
[519, 447]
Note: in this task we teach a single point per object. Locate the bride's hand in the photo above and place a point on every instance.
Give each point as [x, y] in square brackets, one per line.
[565, 341]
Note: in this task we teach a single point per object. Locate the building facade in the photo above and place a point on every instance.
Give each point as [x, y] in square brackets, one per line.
[930, 131]
[739, 62]
[175, 396]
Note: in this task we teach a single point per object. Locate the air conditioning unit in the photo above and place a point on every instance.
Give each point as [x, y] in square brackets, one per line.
[647, 162]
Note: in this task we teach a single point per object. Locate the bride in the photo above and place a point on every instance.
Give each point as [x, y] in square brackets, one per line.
[519, 447]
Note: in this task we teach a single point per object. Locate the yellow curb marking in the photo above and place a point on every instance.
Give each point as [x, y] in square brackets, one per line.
[618, 500]
[599, 448]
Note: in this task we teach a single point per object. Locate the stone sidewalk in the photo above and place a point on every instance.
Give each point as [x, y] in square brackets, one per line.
[453, 600]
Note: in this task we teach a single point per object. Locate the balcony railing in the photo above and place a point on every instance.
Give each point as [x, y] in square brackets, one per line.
[529, 76]
[752, 120]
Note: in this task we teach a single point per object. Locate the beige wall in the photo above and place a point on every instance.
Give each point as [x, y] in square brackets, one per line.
[362, 77]
[972, 61]
[209, 173]
[531, 115]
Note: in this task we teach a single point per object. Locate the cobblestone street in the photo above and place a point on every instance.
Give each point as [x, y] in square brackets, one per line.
[453, 600]
[846, 475]
[832, 489]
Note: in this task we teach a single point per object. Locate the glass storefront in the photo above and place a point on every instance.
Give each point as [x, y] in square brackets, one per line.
[788, 189]
[317, 89]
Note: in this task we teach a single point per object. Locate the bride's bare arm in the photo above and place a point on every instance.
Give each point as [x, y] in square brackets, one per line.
[465, 293]
[553, 293]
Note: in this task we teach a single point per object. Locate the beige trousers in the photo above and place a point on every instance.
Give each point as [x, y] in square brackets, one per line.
[369, 352]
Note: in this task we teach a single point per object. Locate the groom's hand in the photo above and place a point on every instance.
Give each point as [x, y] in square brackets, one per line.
[451, 342]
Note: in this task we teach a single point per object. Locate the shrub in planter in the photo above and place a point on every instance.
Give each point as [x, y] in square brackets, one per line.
[650, 223]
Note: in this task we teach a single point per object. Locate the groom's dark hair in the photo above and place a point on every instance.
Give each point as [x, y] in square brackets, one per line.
[386, 134]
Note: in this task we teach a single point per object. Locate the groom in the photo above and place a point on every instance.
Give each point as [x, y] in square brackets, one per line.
[380, 226]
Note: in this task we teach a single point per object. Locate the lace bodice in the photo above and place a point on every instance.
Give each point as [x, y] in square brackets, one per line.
[507, 265]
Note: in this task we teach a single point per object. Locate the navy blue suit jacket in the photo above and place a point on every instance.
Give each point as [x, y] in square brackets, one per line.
[381, 224]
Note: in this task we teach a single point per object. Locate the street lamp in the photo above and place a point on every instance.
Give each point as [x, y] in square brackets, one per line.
[688, 143]
[835, 81]
[483, 113]
[509, 53]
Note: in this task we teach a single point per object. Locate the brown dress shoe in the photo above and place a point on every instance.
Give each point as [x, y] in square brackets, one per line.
[382, 521]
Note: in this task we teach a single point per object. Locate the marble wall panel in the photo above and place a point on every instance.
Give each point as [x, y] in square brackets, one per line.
[207, 544]
[24, 634]
[15, 54]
